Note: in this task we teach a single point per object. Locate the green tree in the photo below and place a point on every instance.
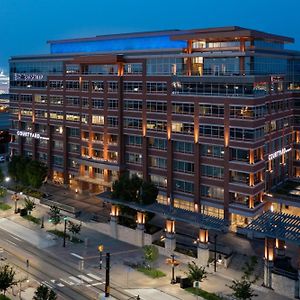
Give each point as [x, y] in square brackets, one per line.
[29, 205]
[3, 192]
[195, 272]
[36, 173]
[242, 289]
[74, 228]
[54, 215]
[44, 293]
[7, 278]
[149, 193]
[150, 254]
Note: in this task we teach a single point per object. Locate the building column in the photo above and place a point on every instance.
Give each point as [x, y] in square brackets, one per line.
[114, 221]
[140, 229]
[170, 241]
[280, 248]
[269, 261]
[202, 249]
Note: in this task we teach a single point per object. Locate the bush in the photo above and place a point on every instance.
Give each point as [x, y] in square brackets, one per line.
[2, 297]
[203, 294]
[23, 212]
[4, 206]
[32, 219]
[153, 273]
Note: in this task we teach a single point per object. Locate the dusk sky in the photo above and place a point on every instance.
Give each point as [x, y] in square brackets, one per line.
[28, 24]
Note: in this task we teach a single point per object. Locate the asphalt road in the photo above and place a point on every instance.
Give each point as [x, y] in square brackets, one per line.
[67, 281]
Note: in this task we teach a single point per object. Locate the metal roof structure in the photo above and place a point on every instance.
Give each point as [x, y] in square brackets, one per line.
[174, 213]
[277, 225]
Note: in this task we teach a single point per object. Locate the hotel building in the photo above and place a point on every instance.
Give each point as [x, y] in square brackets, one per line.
[211, 116]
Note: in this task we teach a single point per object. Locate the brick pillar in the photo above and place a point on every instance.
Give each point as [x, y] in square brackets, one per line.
[140, 229]
[114, 221]
[269, 261]
[170, 241]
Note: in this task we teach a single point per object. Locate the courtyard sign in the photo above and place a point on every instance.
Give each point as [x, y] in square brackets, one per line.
[32, 135]
[278, 153]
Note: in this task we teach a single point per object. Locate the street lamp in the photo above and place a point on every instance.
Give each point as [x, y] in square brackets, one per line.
[7, 179]
[174, 263]
[15, 198]
[65, 231]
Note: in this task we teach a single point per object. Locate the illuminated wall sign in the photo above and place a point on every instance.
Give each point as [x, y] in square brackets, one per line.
[278, 153]
[28, 76]
[32, 135]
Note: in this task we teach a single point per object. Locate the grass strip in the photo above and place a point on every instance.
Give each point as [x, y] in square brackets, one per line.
[153, 273]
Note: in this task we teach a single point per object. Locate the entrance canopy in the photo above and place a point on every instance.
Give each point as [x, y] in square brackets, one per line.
[277, 225]
[169, 212]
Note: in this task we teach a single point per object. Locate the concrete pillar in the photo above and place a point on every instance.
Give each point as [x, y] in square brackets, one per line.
[202, 249]
[269, 261]
[170, 241]
[140, 229]
[114, 221]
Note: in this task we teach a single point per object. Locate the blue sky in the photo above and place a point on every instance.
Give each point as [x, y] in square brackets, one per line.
[26, 25]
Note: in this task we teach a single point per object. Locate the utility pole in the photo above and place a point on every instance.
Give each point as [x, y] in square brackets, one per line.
[107, 287]
[65, 231]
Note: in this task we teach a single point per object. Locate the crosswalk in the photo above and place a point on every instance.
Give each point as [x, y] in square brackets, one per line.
[87, 280]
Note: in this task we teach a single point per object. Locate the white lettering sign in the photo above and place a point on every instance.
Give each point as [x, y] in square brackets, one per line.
[278, 153]
[28, 76]
[32, 135]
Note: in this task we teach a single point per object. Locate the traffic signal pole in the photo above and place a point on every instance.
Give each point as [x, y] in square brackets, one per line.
[107, 287]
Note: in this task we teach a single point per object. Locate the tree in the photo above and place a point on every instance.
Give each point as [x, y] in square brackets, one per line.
[3, 192]
[195, 272]
[44, 293]
[7, 278]
[149, 193]
[36, 173]
[29, 205]
[54, 214]
[1, 176]
[242, 289]
[74, 228]
[150, 254]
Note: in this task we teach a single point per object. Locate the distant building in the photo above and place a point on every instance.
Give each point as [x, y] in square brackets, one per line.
[4, 83]
[211, 116]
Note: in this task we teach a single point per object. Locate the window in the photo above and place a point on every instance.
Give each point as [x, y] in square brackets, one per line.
[135, 105]
[183, 108]
[40, 98]
[155, 106]
[212, 151]
[73, 101]
[98, 138]
[97, 120]
[74, 148]
[85, 86]
[183, 147]
[112, 121]
[72, 69]
[133, 69]
[112, 139]
[56, 100]
[213, 192]
[97, 86]
[156, 87]
[156, 125]
[56, 84]
[73, 117]
[212, 171]
[57, 160]
[72, 85]
[211, 131]
[156, 143]
[113, 104]
[239, 154]
[132, 123]
[180, 127]
[73, 132]
[157, 162]
[183, 166]
[113, 87]
[85, 102]
[57, 145]
[97, 103]
[134, 140]
[133, 87]
[26, 98]
[85, 119]
[247, 112]
[183, 186]
[246, 134]
[211, 110]
[239, 177]
[56, 115]
[159, 181]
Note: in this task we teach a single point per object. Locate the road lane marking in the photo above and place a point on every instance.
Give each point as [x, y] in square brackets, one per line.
[47, 284]
[97, 283]
[12, 243]
[60, 284]
[76, 280]
[15, 238]
[67, 282]
[85, 278]
[76, 255]
[94, 276]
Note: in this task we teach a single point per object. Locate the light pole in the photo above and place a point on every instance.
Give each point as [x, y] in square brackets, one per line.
[65, 231]
[215, 263]
[42, 222]
[107, 287]
[173, 281]
[15, 197]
